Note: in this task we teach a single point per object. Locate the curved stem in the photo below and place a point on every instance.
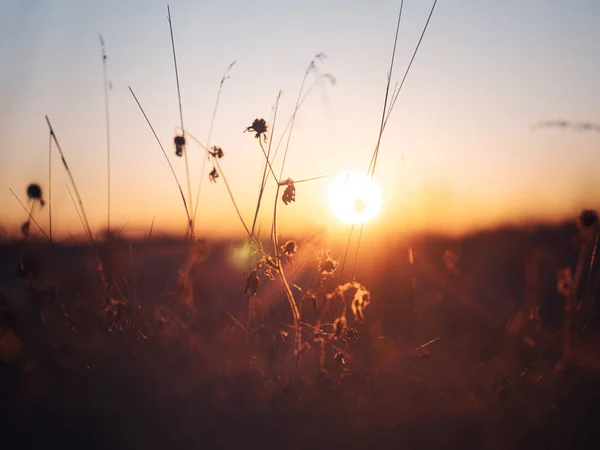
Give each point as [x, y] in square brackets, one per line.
[286, 287]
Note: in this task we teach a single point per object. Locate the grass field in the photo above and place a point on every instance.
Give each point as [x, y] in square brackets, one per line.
[193, 365]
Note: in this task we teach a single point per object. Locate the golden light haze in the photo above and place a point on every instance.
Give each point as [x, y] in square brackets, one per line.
[459, 152]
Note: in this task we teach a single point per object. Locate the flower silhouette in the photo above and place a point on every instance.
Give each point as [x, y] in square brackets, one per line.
[259, 126]
[217, 152]
[179, 145]
[213, 175]
[289, 195]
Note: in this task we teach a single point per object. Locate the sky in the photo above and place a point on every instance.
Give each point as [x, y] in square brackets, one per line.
[459, 152]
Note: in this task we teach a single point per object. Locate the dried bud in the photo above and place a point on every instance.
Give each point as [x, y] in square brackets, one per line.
[25, 228]
[289, 195]
[252, 283]
[179, 145]
[213, 175]
[588, 219]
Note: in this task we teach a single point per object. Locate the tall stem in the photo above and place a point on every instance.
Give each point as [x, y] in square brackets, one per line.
[187, 167]
[50, 184]
[107, 121]
[64, 161]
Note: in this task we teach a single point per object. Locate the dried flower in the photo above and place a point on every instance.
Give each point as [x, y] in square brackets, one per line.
[289, 195]
[259, 126]
[179, 145]
[252, 283]
[327, 265]
[217, 152]
[213, 175]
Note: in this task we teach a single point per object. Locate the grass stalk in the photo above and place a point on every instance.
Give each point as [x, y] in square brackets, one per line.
[50, 184]
[187, 167]
[30, 215]
[90, 238]
[267, 166]
[187, 212]
[390, 102]
[71, 178]
[222, 175]
[107, 125]
[210, 130]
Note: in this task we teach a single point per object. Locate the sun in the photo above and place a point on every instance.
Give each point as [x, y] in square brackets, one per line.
[354, 198]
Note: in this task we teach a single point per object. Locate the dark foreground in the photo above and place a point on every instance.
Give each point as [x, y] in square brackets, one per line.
[188, 369]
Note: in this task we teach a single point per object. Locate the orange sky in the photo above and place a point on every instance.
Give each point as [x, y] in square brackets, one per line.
[462, 125]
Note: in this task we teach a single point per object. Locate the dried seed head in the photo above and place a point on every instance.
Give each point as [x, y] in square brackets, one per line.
[213, 175]
[259, 126]
[289, 248]
[25, 228]
[588, 219]
[289, 195]
[179, 145]
[327, 266]
[217, 152]
[252, 283]
[350, 335]
[34, 192]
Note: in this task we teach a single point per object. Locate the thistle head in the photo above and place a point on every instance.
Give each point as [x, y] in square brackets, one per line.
[34, 193]
[289, 249]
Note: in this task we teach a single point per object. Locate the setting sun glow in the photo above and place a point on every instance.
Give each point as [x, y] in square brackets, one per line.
[354, 198]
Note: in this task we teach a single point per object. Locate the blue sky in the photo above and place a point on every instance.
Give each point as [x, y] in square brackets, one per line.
[485, 73]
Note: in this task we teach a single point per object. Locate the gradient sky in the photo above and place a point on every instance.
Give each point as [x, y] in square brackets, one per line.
[486, 72]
